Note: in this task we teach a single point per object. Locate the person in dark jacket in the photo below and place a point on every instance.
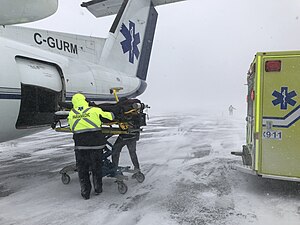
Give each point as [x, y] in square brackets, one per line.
[130, 141]
[85, 123]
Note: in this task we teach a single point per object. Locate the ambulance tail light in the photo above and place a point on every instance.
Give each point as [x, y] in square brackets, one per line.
[273, 66]
[252, 95]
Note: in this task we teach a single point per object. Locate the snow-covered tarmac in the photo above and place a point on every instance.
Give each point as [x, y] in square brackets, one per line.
[190, 179]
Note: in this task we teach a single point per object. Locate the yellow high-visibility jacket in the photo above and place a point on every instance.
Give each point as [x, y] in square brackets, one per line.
[83, 118]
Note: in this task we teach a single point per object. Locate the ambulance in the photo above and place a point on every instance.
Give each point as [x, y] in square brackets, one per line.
[272, 148]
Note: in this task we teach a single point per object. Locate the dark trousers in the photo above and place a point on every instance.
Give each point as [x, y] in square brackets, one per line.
[117, 148]
[89, 160]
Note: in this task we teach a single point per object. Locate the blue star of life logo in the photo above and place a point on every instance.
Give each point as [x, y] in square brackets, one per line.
[132, 39]
[284, 98]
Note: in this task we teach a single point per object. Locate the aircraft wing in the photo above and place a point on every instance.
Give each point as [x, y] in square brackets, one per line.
[101, 8]
[16, 11]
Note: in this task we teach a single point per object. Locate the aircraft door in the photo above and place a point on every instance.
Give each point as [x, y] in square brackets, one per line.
[42, 88]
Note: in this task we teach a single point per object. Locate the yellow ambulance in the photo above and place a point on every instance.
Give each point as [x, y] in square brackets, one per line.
[272, 147]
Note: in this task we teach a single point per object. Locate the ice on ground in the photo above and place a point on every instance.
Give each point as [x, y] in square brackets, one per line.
[190, 179]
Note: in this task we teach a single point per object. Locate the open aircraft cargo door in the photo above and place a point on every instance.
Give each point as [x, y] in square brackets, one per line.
[42, 88]
[280, 145]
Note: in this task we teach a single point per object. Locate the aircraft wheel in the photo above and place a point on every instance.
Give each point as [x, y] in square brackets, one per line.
[122, 188]
[140, 177]
[65, 178]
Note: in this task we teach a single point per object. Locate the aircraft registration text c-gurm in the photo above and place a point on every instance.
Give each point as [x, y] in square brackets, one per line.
[56, 43]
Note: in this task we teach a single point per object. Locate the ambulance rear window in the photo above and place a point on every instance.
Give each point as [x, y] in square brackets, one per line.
[273, 66]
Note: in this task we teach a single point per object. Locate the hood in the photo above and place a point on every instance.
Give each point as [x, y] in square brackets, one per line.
[78, 100]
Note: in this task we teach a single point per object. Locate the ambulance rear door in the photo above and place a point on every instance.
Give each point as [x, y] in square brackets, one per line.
[280, 141]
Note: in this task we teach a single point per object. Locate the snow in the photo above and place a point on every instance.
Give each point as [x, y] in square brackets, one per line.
[191, 178]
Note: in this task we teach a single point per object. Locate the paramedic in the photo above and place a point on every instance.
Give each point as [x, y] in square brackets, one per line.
[130, 141]
[85, 123]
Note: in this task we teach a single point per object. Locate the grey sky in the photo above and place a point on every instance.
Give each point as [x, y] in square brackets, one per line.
[202, 48]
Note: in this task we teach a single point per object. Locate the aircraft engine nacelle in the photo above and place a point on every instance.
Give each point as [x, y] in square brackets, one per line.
[16, 11]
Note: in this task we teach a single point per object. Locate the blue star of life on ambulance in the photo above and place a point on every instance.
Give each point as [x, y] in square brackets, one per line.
[284, 98]
[132, 39]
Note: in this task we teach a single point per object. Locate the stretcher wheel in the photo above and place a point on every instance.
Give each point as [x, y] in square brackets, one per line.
[140, 177]
[65, 178]
[122, 188]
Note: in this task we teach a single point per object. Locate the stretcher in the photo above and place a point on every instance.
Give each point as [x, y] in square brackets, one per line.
[108, 170]
[129, 118]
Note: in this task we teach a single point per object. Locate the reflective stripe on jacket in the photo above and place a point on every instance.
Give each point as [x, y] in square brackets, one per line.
[86, 119]
[90, 147]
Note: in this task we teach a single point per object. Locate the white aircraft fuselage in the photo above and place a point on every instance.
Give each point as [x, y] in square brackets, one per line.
[41, 69]
[24, 64]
